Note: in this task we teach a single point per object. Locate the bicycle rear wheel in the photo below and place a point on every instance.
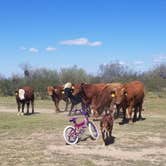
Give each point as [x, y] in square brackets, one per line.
[70, 135]
[93, 130]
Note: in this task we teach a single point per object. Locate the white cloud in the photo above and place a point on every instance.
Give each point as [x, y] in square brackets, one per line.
[34, 50]
[160, 58]
[122, 63]
[81, 41]
[22, 48]
[49, 49]
[138, 62]
[96, 43]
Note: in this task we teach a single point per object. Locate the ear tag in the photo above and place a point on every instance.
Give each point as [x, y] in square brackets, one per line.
[113, 95]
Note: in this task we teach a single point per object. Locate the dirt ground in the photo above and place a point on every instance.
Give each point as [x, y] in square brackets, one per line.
[135, 144]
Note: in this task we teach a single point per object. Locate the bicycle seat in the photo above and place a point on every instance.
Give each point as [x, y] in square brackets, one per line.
[73, 119]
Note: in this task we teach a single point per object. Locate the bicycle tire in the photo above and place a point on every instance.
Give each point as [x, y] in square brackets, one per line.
[69, 135]
[93, 130]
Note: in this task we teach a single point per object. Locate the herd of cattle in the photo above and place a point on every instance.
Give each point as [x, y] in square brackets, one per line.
[100, 97]
[103, 96]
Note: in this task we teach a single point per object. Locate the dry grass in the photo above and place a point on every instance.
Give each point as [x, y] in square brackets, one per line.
[37, 139]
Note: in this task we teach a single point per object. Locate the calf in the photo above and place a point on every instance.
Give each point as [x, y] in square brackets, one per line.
[106, 126]
[24, 95]
[56, 93]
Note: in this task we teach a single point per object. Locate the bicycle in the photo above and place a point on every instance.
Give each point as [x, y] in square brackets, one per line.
[72, 134]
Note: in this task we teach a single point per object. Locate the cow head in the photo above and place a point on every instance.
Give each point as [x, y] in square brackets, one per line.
[20, 94]
[77, 89]
[119, 95]
[50, 90]
[16, 93]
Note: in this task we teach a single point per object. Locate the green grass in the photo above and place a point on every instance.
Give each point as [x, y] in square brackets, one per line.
[13, 123]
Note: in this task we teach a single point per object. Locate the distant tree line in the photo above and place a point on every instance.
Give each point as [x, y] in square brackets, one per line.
[154, 79]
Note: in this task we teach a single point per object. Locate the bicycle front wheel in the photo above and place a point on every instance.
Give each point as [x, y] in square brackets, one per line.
[70, 135]
[93, 130]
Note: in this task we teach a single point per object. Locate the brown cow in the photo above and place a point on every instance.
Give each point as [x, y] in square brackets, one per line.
[131, 96]
[88, 92]
[25, 95]
[106, 126]
[104, 99]
[56, 93]
[99, 96]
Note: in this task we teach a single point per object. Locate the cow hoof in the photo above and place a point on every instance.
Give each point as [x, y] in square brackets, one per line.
[141, 118]
[134, 120]
[18, 114]
[124, 121]
[22, 113]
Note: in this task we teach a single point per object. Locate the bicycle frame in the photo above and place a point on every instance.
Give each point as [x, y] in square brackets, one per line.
[73, 133]
[79, 127]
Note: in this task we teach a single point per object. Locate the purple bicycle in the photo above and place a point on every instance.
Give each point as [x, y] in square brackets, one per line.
[72, 134]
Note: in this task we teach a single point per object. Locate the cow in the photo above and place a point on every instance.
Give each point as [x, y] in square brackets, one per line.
[88, 92]
[99, 96]
[24, 95]
[106, 126]
[56, 93]
[131, 96]
[104, 99]
[75, 99]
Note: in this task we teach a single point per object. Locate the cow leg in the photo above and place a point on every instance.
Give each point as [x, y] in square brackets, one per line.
[117, 111]
[89, 110]
[57, 106]
[135, 114]
[23, 105]
[67, 103]
[124, 115]
[124, 120]
[72, 106]
[140, 111]
[129, 113]
[32, 105]
[18, 108]
[28, 108]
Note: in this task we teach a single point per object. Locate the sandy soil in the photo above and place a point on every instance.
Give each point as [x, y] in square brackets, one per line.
[130, 148]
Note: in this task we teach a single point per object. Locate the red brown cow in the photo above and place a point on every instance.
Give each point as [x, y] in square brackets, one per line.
[106, 126]
[131, 96]
[99, 96]
[25, 95]
[104, 99]
[56, 93]
[88, 92]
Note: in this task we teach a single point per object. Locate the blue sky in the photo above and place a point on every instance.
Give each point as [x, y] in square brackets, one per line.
[86, 33]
